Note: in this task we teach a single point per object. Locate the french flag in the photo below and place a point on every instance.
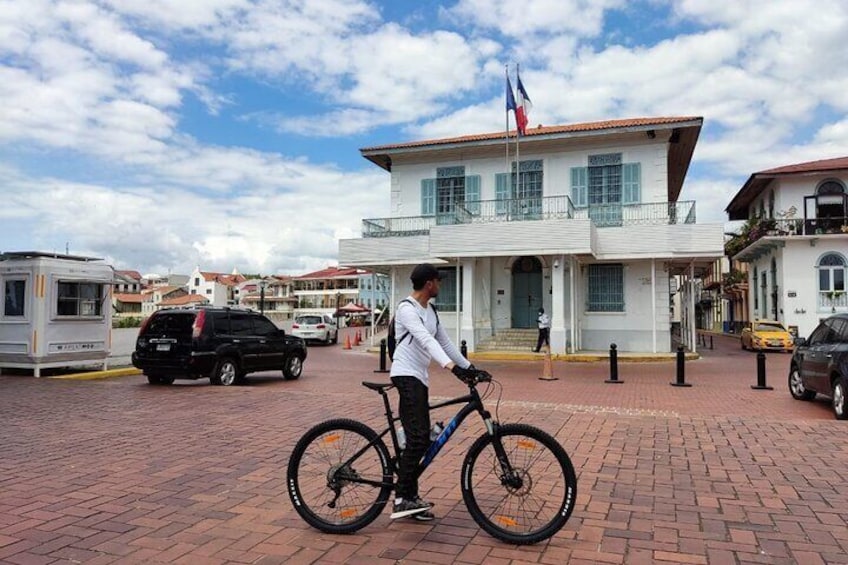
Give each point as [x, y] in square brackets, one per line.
[510, 97]
[522, 110]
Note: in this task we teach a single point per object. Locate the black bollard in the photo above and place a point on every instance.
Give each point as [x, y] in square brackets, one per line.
[711, 341]
[681, 375]
[382, 368]
[463, 348]
[613, 357]
[761, 373]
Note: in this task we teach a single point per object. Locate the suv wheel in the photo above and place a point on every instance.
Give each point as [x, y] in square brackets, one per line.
[226, 373]
[292, 367]
[153, 379]
[796, 386]
[840, 402]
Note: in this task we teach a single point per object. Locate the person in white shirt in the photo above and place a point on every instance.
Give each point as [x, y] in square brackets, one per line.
[420, 339]
[544, 330]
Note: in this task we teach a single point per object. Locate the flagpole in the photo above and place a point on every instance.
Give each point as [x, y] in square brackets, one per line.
[517, 147]
[506, 114]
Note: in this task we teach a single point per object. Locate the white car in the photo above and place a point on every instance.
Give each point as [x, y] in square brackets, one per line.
[316, 327]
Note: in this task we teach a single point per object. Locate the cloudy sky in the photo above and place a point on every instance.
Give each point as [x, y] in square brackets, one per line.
[165, 134]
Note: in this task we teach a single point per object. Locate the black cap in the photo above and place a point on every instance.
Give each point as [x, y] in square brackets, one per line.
[423, 273]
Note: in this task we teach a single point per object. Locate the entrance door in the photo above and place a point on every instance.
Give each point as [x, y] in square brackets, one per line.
[526, 292]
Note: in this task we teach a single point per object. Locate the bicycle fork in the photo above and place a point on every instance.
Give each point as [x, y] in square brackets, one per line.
[509, 478]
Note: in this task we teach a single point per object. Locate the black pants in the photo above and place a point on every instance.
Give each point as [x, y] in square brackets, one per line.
[544, 337]
[414, 408]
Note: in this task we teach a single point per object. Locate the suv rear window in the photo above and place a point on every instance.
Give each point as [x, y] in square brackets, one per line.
[171, 323]
[310, 320]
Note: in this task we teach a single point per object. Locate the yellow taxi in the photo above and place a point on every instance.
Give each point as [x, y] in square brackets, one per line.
[764, 335]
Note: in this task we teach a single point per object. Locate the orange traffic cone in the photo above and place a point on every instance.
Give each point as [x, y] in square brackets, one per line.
[356, 337]
[347, 341]
[548, 370]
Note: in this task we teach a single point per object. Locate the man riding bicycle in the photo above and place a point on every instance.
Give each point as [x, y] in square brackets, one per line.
[420, 339]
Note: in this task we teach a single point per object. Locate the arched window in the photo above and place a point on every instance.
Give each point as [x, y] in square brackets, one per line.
[832, 271]
[831, 204]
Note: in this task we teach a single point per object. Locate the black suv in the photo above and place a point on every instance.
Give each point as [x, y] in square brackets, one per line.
[223, 344]
[820, 365]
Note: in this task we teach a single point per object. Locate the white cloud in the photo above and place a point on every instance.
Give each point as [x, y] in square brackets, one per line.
[107, 81]
[517, 19]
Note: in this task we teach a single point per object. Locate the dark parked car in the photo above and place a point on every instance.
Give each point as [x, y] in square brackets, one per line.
[223, 344]
[820, 364]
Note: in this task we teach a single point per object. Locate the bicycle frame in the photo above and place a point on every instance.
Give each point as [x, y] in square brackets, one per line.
[472, 402]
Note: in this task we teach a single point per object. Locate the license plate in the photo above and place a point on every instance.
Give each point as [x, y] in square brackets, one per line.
[163, 347]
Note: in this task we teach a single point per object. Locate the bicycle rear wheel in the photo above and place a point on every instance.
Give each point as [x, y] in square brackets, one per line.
[328, 490]
[536, 501]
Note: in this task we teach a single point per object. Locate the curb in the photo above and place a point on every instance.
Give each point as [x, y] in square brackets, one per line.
[94, 375]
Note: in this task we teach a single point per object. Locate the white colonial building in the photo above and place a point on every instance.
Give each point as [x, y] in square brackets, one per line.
[589, 226]
[795, 241]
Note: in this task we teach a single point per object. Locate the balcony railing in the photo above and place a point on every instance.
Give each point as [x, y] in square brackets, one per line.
[528, 209]
[833, 300]
[756, 229]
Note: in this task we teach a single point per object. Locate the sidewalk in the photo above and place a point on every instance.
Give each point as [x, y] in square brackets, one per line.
[118, 471]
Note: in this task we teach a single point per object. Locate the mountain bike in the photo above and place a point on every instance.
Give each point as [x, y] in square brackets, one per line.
[517, 481]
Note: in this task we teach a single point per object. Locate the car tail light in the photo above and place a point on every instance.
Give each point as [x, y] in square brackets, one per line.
[320, 326]
[198, 324]
[295, 326]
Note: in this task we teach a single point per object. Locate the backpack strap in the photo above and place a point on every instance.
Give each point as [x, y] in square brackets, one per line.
[433, 306]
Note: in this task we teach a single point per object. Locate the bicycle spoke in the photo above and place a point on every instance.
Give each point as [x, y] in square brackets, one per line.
[525, 506]
[328, 479]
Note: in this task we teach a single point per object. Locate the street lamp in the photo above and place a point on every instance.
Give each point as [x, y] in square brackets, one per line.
[262, 284]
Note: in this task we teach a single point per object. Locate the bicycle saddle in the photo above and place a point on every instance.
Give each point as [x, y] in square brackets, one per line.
[379, 387]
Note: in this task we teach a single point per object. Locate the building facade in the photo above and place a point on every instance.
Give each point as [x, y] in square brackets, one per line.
[794, 242]
[586, 224]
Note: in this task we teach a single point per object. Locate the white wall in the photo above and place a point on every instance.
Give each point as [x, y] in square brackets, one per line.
[407, 173]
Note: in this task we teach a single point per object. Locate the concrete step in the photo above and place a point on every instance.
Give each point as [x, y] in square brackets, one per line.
[513, 339]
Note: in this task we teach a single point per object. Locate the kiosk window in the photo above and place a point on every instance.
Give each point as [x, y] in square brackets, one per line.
[79, 299]
[15, 291]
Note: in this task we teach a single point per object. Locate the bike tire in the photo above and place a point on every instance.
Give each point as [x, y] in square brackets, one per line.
[316, 461]
[513, 514]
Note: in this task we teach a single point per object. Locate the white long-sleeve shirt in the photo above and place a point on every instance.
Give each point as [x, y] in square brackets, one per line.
[427, 340]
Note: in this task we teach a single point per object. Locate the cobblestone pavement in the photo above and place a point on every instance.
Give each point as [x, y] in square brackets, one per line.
[117, 471]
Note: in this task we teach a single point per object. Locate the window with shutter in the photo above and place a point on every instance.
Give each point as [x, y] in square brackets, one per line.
[578, 187]
[632, 182]
[472, 194]
[428, 197]
[502, 193]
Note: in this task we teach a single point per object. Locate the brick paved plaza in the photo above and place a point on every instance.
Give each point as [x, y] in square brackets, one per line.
[117, 471]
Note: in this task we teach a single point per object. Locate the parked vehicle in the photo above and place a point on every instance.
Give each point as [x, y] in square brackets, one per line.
[820, 365]
[764, 335]
[316, 327]
[221, 344]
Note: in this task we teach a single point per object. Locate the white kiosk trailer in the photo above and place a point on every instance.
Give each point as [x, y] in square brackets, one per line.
[56, 311]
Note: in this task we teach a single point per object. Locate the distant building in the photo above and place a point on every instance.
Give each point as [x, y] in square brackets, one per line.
[219, 289]
[795, 242]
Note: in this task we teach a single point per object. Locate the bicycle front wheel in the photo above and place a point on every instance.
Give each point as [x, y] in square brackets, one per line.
[531, 504]
[331, 487]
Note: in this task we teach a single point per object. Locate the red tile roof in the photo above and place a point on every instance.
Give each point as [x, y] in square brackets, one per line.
[759, 181]
[183, 300]
[540, 131]
[131, 274]
[821, 166]
[330, 273]
[223, 278]
[129, 297]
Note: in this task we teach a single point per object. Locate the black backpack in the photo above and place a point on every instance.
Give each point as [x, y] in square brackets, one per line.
[391, 339]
